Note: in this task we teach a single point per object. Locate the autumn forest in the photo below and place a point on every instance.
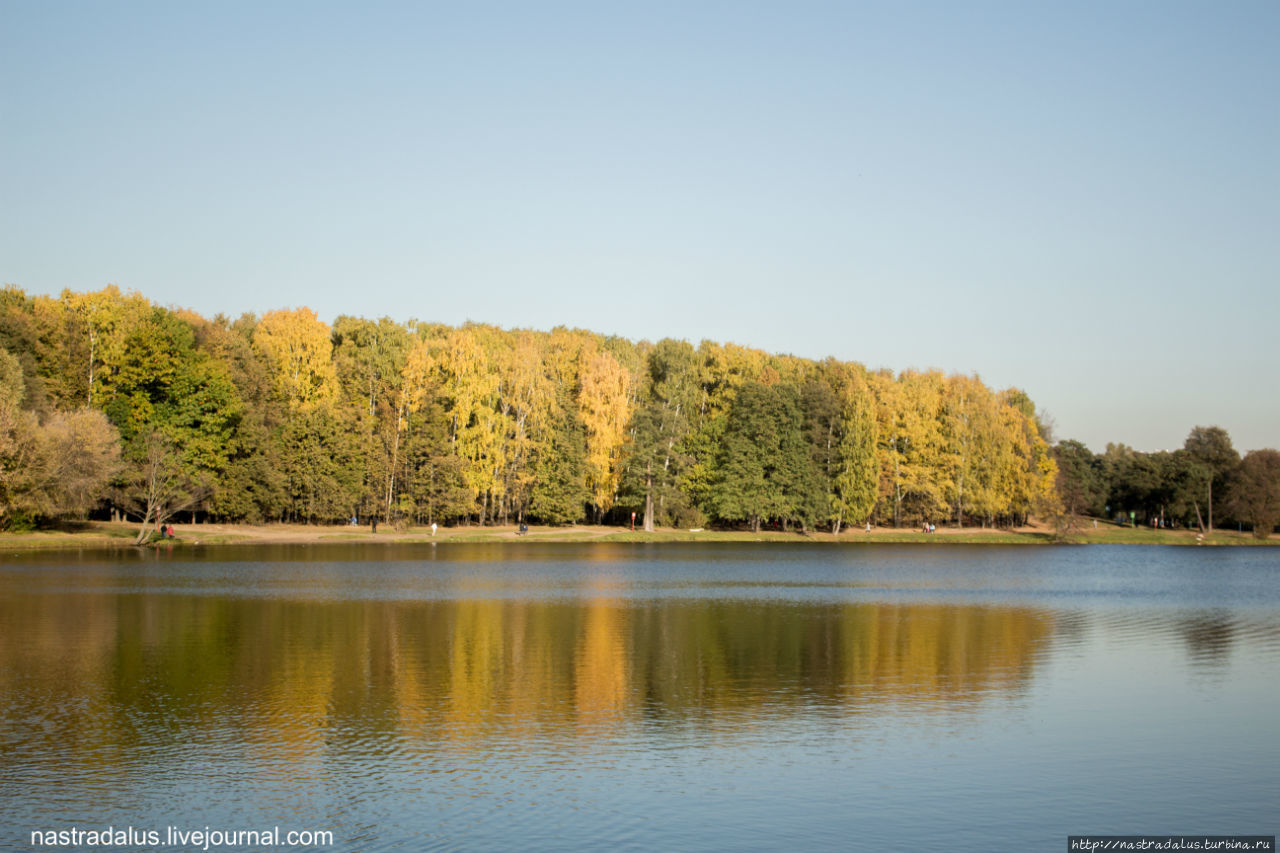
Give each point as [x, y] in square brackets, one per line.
[112, 406]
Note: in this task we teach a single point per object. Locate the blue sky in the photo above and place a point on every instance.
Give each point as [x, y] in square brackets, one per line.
[1080, 199]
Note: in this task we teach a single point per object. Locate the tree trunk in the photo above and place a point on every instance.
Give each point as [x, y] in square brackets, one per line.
[648, 500]
[395, 460]
[93, 346]
[146, 528]
[897, 493]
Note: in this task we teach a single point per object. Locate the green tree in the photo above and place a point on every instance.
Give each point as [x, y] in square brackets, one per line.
[560, 482]
[1255, 491]
[320, 467]
[722, 369]
[369, 359]
[434, 489]
[1211, 448]
[823, 425]
[657, 460]
[251, 486]
[765, 469]
[174, 406]
[1080, 481]
[854, 479]
[163, 383]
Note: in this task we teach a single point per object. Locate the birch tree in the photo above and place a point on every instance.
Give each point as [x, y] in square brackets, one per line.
[299, 348]
[604, 408]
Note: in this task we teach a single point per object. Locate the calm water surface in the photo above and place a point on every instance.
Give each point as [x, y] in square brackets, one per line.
[689, 697]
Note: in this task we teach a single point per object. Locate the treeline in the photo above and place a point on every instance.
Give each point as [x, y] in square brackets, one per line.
[112, 404]
[1203, 484]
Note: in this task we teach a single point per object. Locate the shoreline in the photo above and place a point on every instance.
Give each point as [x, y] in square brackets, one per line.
[109, 536]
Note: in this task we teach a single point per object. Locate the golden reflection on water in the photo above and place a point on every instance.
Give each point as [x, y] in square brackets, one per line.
[109, 669]
[689, 700]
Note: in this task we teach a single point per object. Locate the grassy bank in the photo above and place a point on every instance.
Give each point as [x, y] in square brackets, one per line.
[104, 535]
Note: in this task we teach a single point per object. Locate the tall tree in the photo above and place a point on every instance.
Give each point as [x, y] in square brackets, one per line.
[1211, 448]
[1080, 479]
[471, 390]
[174, 406]
[765, 469]
[605, 409]
[1255, 491]
[433, 488]
[854, 479]
[560, 469]
[976, 449]
[317, 453]
[912, 445]
[1028, 473]
[369, 359]
[659, 426]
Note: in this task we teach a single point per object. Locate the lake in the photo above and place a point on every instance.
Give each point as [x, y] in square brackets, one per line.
[668, 696]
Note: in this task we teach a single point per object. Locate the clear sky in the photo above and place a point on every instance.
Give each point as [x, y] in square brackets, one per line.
[1081, 199]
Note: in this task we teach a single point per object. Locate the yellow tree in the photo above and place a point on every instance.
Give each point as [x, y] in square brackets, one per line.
[978, 450]
[910, 447]
[527, 398]
[605, 407]
[471, 390]
[103, 319]
[299, 349]
[419, 376]
[1034, 472]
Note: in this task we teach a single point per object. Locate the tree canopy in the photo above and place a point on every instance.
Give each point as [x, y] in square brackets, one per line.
[287, 418]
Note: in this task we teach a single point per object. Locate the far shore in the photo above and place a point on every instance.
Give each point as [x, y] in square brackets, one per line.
[115, 535]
